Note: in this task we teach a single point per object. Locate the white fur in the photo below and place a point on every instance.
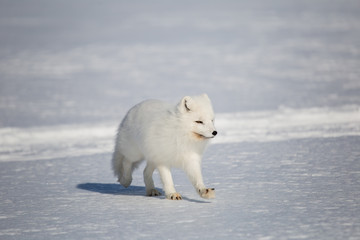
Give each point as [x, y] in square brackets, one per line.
[166, 136]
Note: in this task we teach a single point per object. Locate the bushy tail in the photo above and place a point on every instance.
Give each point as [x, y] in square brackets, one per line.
[123, 168]
[117, 160]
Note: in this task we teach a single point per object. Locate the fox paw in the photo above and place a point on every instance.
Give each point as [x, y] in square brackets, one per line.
[153, 192]
[174, 196]
[207, 192]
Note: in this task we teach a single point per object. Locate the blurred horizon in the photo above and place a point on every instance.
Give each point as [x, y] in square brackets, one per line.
[72, 62]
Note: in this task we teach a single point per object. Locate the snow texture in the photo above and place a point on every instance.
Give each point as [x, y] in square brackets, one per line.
[284, 80]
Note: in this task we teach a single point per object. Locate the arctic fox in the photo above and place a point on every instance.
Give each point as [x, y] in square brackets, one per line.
[165, 136]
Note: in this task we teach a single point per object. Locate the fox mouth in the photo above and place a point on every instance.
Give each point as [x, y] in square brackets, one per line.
[200, 136]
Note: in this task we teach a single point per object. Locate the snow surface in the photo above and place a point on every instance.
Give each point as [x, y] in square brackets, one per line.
[48, 142]
[284, 80]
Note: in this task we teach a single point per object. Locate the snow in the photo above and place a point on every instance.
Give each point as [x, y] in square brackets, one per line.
[284, 80]
[280, 190]
[48, 142]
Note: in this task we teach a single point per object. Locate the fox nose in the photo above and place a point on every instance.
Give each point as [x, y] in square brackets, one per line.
[214, 133]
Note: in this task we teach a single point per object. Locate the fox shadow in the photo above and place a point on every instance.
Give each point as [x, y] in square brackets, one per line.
[117, 189]
[114, 189]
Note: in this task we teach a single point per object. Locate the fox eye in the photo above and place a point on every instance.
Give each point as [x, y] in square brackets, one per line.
[199, 122]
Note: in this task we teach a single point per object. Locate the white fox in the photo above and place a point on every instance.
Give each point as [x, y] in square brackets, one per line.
[166, 136]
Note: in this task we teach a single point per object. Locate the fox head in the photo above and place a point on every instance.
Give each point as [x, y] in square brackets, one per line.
[198, 116]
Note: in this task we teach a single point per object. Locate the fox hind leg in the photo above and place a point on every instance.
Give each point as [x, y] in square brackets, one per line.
[149, 182]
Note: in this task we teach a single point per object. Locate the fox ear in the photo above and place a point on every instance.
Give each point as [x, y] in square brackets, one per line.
[186, 104]
[204, 95]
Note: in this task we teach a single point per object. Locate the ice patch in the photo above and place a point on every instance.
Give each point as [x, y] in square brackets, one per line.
[23, 144]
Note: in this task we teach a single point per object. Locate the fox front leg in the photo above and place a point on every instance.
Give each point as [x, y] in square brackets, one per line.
[207, 192]
[193, 170]
[168, 183]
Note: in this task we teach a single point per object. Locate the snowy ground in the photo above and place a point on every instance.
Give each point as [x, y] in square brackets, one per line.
[284, 79]
[298, 189]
